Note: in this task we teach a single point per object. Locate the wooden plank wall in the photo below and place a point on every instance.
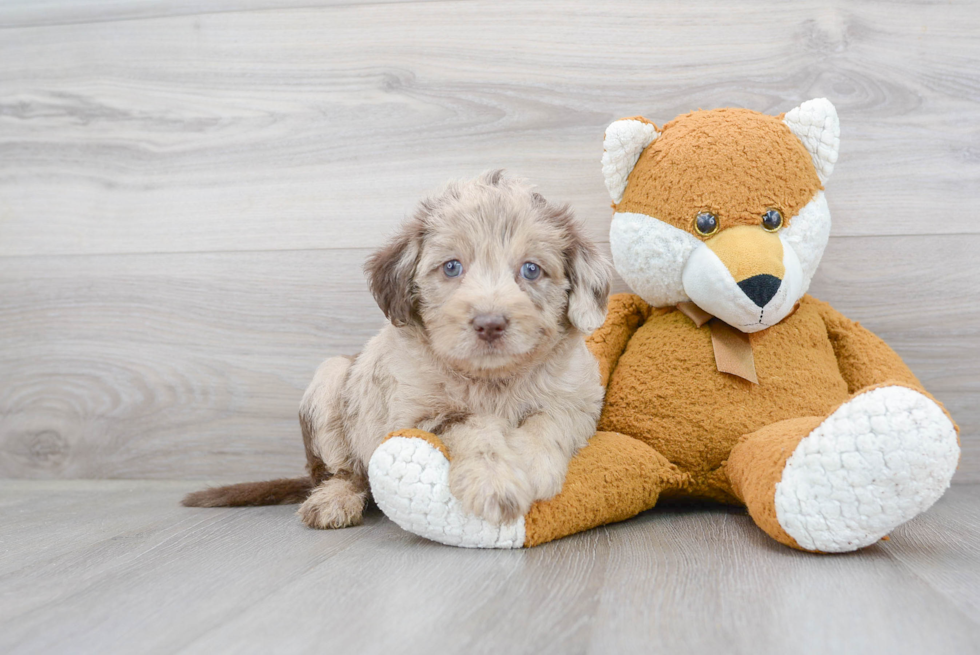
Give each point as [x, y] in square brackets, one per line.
[188, 189]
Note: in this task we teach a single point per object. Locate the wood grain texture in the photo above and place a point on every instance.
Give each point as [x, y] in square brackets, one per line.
[192, 365]
[321, 126]
[170, 365]
[188, 189]
[38, 13]
[121, 567]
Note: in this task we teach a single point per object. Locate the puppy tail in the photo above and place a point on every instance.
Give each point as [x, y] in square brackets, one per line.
[285, 491]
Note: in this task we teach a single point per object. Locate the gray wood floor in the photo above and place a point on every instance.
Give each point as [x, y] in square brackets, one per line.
[188, 188]
[120, 567]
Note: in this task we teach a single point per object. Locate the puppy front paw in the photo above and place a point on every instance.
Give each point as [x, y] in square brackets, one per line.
[490, 488]
[548, 481]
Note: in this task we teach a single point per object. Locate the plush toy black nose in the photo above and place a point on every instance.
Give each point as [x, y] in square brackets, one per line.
[760, 288]
[490, 327]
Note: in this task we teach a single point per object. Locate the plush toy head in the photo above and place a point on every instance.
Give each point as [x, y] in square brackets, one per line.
[723, 208]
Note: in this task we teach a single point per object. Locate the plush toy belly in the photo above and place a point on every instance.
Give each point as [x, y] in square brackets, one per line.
[667, 392]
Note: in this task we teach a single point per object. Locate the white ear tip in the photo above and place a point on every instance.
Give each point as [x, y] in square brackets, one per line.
[815, 123]
[622, 145]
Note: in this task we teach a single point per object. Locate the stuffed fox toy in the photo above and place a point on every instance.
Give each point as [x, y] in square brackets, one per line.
[724, 380]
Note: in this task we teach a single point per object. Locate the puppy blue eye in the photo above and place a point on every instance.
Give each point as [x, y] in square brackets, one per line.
[452, 268]
[530, 271]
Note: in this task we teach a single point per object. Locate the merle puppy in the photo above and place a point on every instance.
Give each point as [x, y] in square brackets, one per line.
[489, 291]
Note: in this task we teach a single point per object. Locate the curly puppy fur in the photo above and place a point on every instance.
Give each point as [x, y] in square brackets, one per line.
[491, 361]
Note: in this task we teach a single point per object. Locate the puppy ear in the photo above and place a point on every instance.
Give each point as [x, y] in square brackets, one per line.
[391, 271]
[589, 276]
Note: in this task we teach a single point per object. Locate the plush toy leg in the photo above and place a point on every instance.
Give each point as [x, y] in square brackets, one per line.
[613, 478]
[755, 466]
[841, 482]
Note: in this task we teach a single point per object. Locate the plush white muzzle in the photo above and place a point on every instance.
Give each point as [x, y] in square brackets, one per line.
[710, 286]
[665, 266]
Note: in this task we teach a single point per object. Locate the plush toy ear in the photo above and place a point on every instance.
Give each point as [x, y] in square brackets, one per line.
[624, 141]
[815, 123]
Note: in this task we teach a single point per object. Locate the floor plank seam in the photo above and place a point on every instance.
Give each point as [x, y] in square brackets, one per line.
[197, 14]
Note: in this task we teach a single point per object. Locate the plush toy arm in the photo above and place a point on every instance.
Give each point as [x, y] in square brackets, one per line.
[863, 358]
[613, 478]
[625, 315]
[409, 476]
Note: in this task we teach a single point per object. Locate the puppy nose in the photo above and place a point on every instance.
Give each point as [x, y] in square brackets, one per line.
[760, 288]
[490, 327]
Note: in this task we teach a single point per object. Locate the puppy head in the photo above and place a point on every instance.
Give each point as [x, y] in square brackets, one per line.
[493, 275]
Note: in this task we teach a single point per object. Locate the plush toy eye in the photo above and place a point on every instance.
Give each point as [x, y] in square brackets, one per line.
[452, 268]
[772, 220]
[530, 271]
[706, 224]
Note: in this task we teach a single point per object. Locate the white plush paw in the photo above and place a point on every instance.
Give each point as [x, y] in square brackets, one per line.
[410, 483]
[877, 461]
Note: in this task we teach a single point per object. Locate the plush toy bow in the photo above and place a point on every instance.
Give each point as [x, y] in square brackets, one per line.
[733, 350]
